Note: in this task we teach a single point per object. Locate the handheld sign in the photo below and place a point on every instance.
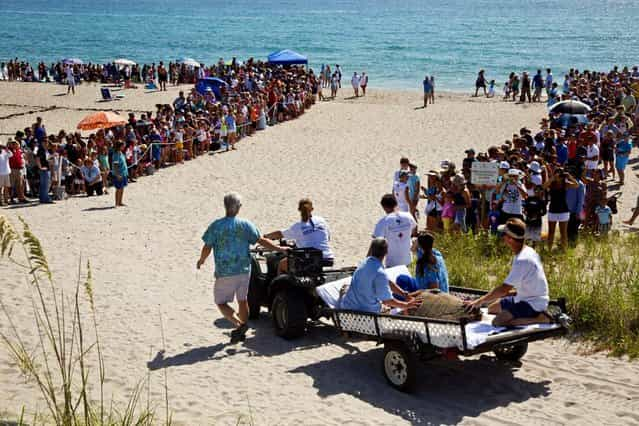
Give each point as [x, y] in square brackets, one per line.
[482, 173]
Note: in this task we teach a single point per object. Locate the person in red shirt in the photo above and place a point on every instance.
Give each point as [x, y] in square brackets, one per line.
[587, 137]
[572, 147]
[16, 163]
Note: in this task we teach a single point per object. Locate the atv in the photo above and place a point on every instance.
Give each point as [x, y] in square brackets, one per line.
[290, 297]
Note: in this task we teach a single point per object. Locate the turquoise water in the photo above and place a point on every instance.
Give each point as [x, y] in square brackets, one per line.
[395, 42]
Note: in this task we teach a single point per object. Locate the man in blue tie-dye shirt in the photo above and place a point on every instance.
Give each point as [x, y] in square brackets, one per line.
[230, 239]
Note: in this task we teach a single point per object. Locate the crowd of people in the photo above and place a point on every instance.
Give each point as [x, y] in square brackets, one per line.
[560, 173]
[112, 72]
[42, 165]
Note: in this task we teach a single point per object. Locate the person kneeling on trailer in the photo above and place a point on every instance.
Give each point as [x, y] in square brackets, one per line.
[310, 232]
[370, 288]
[527, 277]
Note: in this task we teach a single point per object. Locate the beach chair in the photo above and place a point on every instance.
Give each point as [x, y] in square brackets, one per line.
[106, 95]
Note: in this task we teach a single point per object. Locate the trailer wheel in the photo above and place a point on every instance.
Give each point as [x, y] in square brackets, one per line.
[289, 314]
[400, 366]
[512, 353]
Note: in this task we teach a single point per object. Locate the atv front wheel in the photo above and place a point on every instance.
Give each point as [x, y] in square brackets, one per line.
[289, 314]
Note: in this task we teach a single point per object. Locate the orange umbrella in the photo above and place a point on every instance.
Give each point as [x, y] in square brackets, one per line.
[101, 120]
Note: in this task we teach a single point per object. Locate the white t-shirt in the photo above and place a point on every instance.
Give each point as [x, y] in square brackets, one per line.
[528, 278]
[399, 191]
[512, 198]
[314, 233]
[397, 228]
[70, 77]
[355, 81]
[592, 151]
[5, 169]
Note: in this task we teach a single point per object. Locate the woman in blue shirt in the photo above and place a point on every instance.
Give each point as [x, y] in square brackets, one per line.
[430, 269]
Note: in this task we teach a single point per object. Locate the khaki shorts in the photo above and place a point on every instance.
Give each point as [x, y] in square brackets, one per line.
[225, 289]
[5, 181]
[16, 177]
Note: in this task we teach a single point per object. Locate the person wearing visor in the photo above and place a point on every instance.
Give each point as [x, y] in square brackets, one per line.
[526, 278]
[310, 232]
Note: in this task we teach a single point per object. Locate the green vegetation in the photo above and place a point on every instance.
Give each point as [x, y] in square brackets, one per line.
[58, 363]
[599, 278]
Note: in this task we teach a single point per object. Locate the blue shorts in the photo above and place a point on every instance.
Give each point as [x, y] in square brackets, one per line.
[407, 283]
[120, 183]
[519, 309]
[621, 162]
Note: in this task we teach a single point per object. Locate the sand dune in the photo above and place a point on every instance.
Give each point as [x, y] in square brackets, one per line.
[341, 154]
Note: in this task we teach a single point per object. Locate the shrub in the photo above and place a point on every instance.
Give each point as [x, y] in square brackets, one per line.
[599, 279]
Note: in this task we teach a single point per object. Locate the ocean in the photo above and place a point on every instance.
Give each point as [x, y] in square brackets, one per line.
[395, 42]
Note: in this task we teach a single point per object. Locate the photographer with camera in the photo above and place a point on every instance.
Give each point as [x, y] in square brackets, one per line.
[512, 193]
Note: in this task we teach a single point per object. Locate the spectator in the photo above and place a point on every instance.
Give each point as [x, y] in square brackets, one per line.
[5, 175]
[16, 162]
[92, 178]
[120, 173]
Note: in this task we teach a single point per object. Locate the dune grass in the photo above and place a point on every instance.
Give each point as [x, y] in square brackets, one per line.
[599, 279]
[60, 362]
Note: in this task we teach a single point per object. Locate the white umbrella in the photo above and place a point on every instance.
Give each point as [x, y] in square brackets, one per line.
[189, 62]
[123, 61]
[72, 61]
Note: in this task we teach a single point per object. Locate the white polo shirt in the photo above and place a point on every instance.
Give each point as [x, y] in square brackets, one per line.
[314, 234]
[397, 228]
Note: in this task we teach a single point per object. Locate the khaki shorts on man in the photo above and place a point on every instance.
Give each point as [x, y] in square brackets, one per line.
[225, 289]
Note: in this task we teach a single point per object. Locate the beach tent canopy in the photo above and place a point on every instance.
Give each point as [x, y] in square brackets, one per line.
[213, 83]
[287, 57]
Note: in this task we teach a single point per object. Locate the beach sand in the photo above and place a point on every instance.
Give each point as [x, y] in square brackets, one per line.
[342, 154]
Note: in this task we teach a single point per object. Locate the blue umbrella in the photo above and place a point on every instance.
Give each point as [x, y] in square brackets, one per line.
[213, 83]
[72, 61]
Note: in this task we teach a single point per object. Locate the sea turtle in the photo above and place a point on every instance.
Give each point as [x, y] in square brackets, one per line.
[440, 305]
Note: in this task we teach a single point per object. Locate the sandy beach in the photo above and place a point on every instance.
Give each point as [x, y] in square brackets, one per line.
[342, 155]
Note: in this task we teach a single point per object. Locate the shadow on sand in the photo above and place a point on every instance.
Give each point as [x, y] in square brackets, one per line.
[446, 391]
[260, 341]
